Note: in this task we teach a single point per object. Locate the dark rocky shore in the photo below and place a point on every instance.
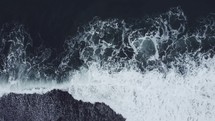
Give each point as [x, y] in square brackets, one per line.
[55, 105]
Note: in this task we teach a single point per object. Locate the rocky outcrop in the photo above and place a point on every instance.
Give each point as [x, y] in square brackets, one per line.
[55, 105]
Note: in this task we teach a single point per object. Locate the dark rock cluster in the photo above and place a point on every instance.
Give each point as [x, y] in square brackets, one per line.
[55, 105]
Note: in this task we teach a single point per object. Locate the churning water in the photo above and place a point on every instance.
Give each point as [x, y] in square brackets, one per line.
[152, 69]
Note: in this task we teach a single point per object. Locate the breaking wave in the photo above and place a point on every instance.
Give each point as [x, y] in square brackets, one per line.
[155, 68]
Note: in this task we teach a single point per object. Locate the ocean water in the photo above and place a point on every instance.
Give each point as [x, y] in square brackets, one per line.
[152, 69]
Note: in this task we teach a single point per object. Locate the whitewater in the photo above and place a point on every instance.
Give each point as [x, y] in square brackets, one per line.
[152, 70]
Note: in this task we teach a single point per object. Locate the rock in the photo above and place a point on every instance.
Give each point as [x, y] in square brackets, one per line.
[55, 105]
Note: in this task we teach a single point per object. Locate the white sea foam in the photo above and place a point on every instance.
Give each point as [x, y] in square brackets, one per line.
[149, 96]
